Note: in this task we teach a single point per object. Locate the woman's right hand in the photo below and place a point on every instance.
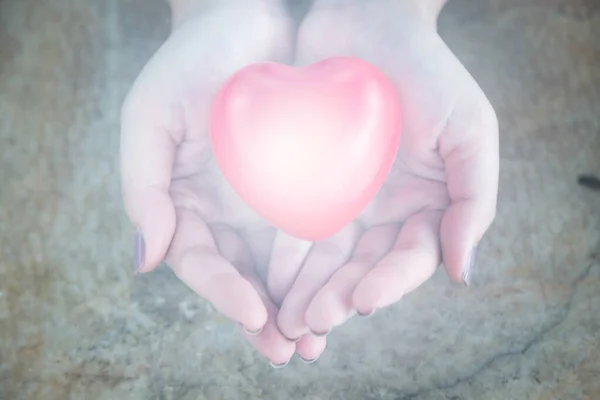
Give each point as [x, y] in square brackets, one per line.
[184, 211]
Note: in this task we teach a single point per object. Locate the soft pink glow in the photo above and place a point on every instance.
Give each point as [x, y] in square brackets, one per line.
[307, 148]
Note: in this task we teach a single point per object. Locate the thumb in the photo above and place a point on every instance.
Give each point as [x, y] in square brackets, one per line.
[469, 147]
[147, 154]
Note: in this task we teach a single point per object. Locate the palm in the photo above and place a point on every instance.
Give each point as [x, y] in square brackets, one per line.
[209, 197]
[431, 84]
[196, 75]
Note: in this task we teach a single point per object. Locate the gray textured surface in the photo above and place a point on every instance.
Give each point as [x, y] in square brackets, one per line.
[75, 324]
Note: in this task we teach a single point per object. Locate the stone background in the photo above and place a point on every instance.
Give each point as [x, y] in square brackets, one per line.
[75, 323]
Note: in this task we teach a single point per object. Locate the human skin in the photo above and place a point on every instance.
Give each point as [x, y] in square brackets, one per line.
[442, 190]
[184, 211]
[440, 197]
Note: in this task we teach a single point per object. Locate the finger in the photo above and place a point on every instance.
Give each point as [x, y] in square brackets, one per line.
[148, 149]
[469, 147]
[332, 305]
[310, 347]
[323, 260]
[268, 341]
[412, 261]
[260, 242]
[287, 257]
[195, 259]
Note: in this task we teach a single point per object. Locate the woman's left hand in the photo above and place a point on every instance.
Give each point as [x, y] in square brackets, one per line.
[440, 197]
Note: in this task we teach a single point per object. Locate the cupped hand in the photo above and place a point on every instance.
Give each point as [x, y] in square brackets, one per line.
[440, 197]
[185, 212]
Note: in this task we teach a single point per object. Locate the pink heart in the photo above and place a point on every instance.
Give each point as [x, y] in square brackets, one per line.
[307, 148]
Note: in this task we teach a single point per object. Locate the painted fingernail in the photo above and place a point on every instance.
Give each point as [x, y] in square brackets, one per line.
[251, 333]
[296, 340]
[468, 271]
[309, 361]
[139, 248]
[321, 334]
[366, 315]
[279, 366]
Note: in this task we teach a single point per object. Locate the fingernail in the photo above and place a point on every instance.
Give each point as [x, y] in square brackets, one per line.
[251, 333]
[279, 366]
[308, 361]
[467, 273]
[366, 315]
[293, 340]
[139, 248]
[321, 334]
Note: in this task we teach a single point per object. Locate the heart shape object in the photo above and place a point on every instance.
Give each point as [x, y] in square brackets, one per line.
[307, 147]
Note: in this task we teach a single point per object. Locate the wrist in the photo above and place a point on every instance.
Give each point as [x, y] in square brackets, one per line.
[434, 7]
[427, 10]
[416, 10]
[183, 10]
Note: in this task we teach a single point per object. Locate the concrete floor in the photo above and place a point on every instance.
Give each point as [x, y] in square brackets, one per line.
[75, 323]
